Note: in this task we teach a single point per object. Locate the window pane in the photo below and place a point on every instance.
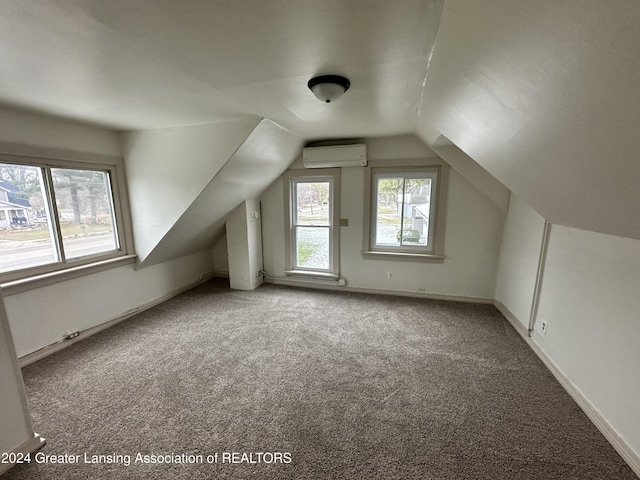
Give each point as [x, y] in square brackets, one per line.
[85, 211]
[388, 211]
[312, 247]
[312, 203]
[415, 224]
[26, 238]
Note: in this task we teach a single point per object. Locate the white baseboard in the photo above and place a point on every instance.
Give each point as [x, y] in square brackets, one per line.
[30, 446]
[612, 436]
[55, 347]
[221, 273]
[331, 285]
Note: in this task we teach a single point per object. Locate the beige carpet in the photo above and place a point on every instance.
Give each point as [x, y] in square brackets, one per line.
[309, 385]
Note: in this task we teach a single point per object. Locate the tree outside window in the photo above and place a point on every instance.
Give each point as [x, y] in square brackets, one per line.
[403, 210]
[312, 236]
[52, 215]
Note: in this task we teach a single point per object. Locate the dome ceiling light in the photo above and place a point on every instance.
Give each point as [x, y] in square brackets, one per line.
[328, 88]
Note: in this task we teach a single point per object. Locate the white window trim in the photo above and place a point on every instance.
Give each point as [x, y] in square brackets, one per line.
[34, 277]
[334, 206]
[403, 167]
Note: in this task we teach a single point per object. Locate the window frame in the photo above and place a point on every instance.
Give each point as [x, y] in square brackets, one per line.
[50, 272]
[291, 177]
[429, 168]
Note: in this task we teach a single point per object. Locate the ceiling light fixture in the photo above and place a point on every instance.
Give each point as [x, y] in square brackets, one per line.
[328, 88]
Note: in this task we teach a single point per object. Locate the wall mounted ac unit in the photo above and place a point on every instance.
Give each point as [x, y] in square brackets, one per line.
[335, 156]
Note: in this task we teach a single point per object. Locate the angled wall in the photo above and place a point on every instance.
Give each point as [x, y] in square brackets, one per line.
[167, 169]
[262, 157]
[473, 172]
[544, 96]
[588, 299]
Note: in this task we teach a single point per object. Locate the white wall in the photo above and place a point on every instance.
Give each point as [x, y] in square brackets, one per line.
[167, 169]
[15, 422]
[244, 246]
[254, 235]
[54, 133]
[472, 171]
[472, 236]
[589, 298]
[507, 84]
[188, 179]
[41, 316]
[221, 257]
[521, 243]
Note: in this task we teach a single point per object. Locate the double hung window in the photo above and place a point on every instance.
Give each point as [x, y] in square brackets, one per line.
[404, 209]
[312, 230]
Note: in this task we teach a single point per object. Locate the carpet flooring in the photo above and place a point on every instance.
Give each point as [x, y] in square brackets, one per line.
[288, 383]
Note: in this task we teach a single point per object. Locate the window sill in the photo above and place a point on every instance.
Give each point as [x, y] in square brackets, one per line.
[306, 273]
[50, 278]
[422, 257]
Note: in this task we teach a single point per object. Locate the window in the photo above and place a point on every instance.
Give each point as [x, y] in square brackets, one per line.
[54, 215]
[404, 210]
[312, 233]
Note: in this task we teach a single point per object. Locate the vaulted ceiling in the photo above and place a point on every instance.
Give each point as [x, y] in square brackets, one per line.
[148, 64]
[543, 95]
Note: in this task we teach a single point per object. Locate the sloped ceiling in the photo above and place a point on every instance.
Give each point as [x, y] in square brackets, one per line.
[148, 64]
[263, 156]
[542, 95]
[168, 169]
[545, 95]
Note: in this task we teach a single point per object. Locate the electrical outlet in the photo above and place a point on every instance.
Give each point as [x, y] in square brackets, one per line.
[71, 334]
[389, 274]
[543, 327]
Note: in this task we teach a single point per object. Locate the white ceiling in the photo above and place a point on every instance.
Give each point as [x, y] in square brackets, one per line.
[543, 94]
[147, 64]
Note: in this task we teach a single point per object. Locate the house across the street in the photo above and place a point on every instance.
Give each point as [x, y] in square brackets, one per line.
[13, 210]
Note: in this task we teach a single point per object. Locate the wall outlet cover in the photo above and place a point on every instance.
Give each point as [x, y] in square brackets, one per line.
[544, 326]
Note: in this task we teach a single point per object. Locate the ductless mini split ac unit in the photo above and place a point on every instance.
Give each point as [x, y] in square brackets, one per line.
[335, 156]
